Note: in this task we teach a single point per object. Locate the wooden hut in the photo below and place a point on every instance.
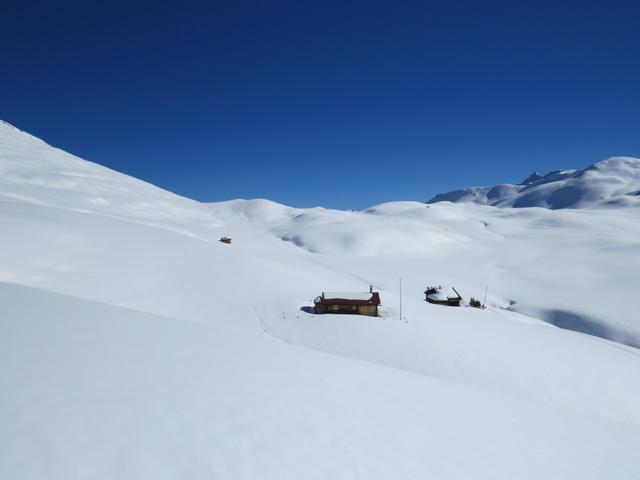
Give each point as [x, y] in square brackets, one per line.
[438, 296]
[348, 303]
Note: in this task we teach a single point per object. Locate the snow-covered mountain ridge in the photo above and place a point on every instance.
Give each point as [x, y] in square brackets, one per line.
[134, 344]
[612, 182]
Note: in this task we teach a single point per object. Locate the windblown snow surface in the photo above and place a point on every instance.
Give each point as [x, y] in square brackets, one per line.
[612, 182]
[134, 344]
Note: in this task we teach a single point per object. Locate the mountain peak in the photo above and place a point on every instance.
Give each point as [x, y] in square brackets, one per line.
[611, 182]
[532, 178]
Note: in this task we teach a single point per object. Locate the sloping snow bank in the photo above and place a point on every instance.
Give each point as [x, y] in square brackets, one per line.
[577, 372]
[97, 391]
[121, 262]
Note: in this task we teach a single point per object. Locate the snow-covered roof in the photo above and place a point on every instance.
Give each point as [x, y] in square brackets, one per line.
[438, 295]
[349, 295]
[442, 293]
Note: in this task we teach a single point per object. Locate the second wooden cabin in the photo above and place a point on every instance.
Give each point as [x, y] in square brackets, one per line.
[439, 296]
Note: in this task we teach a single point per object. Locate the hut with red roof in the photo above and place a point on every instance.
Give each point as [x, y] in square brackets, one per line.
[348, 303]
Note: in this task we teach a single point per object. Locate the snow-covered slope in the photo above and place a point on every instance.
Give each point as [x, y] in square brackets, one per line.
[612, 182]
[98, 391]
[134, 344]
[33, 172]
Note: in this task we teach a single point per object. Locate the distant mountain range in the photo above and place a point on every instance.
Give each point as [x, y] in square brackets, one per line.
[612, 182]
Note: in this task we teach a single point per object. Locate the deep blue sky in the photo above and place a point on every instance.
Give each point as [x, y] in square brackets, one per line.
[341, 104]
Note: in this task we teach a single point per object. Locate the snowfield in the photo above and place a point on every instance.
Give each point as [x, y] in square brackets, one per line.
[134, 344]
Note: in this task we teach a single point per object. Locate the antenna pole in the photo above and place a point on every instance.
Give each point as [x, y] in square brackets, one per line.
[400, 298]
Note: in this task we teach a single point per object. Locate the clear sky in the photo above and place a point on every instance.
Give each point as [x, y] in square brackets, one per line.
[341, 104]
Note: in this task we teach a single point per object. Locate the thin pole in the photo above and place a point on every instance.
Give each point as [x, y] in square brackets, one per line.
[486, 289]
[400, 298]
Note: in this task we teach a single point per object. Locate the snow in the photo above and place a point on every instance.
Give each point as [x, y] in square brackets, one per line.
[134, 344]
[101, 391]
[348, 295]
[438, 296]
[612, 181]
[442, 294]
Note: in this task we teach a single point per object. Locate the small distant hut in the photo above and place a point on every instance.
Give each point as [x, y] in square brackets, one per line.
[348, 303]
[439, 296]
